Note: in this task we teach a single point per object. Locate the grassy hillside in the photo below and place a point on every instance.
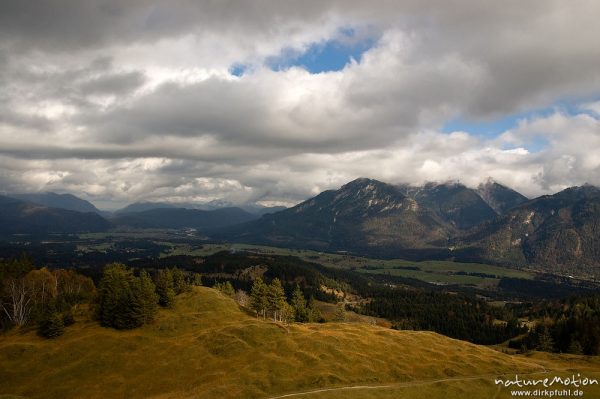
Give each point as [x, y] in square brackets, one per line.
[207, 347]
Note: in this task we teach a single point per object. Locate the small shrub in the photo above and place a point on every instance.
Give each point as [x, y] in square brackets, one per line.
[52, 326]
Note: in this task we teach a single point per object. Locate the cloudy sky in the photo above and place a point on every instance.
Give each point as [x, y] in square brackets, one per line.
[274, 101]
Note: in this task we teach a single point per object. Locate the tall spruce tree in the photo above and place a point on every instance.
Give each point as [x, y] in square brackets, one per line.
[258, 297]
[299, 308]
[118, 306]
[147, 297]
[165, 288]
[276, 299]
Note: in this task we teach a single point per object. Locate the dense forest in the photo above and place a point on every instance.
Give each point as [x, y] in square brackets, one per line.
[456, 316]
[570, 325]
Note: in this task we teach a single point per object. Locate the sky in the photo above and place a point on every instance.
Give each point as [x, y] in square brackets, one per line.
[274, 101]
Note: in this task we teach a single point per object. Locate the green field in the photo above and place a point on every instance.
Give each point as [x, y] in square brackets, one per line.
[438, 272]
[207, 347]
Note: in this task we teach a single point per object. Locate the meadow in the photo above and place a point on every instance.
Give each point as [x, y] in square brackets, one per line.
[207, 347]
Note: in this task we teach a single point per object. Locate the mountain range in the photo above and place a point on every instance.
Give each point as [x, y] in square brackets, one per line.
[370, 216]
[490, 223]
[177, 218]
[252, 208]
[60, 201]
[21, 217]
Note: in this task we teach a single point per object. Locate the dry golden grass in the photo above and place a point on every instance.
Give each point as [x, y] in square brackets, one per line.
[208, 348]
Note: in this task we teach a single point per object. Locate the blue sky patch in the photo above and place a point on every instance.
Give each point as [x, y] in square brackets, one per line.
[237, 69]
[495, 127]
[491, 129]
[327, 56]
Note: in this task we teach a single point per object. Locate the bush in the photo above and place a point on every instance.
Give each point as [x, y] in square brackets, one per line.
[52, 326]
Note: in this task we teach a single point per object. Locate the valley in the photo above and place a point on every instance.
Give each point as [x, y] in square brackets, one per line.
[430, 291]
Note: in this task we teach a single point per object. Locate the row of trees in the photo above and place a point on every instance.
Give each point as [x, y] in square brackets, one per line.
[126, 301]
[270, 301]
[47, 298]
[40, 296]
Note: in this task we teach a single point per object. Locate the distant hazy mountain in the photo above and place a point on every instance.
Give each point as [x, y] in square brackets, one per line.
[262, 210]
[20, 217]
[62, 201]
[500, 198]
[559, 232]
[145, 206]
[181, 218]
[455, 203]
[253, 208]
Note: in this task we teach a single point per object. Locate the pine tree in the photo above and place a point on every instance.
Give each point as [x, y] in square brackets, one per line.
[165, 288]
[258, 297]
[314, 314]
[299, 306]
[147, 297]
[276, 299]
[116, 304]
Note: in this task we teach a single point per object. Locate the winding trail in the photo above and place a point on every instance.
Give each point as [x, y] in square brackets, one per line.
[402, 384]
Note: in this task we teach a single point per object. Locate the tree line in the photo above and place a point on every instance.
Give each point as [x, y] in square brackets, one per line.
[126, 301]
[46, 298]
[457, 316]
[269, 300]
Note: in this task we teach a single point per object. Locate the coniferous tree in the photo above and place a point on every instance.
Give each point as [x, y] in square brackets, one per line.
[116, 298]
[180, 285]
[165, 288]
[258, 297]
[314, 314]
[147, 297]
[125, 301]
[299, 306]
[276, 299]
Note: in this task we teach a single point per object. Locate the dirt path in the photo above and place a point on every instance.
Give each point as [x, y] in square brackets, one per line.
[400, 384]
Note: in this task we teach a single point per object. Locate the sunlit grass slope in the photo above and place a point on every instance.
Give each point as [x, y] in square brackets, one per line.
[208, 348]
